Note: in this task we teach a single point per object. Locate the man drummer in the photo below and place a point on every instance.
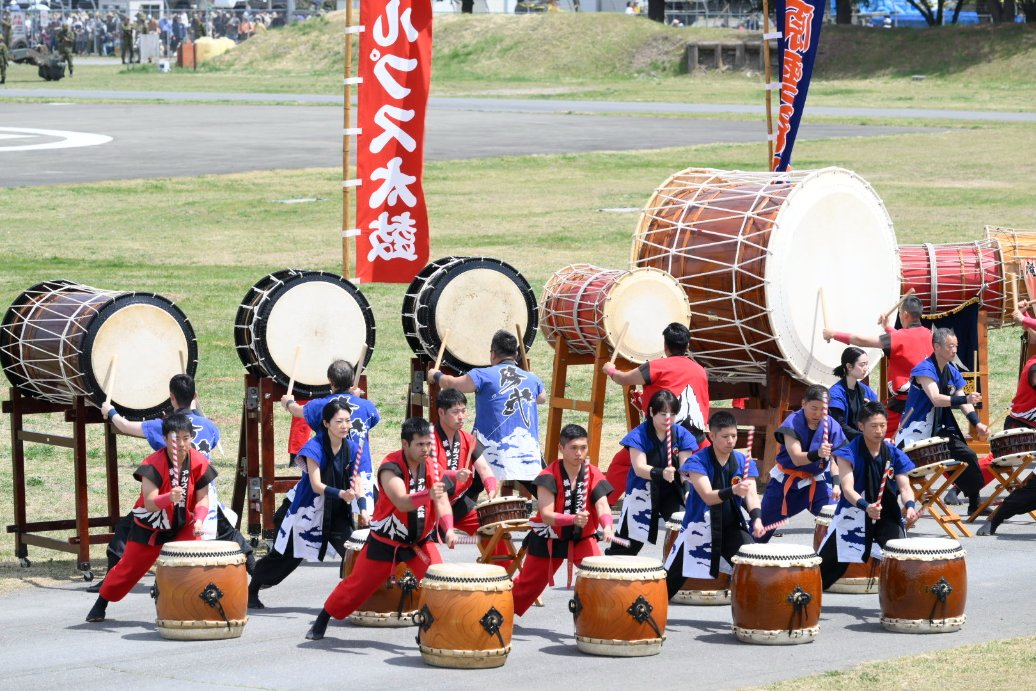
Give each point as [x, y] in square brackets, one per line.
[936, 388]
[904, 348]
[802, 478]
[714, 526]
[410, 505]
[506, 418]
[860, 519]
[364, 415]
[572, 500]
[173, 504]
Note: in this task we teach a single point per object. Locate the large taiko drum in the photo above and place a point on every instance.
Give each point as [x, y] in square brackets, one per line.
[59, 340]
[777, 592]
[1013, 445]
[394, 603]
[587, 305]
[1018, 251]
[928, 451]
[466, 300]
[753, 250]
[859, 578]
[502, 512]
[317, 315]
[620, 606]
[466, 616]
[695, 591]
[201, 590]
[949, 276]
[924, 585]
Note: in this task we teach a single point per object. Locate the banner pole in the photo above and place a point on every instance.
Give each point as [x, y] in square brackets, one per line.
[766, 77]
[346, 120]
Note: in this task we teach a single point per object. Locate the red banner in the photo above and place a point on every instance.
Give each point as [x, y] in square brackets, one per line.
[395, 68]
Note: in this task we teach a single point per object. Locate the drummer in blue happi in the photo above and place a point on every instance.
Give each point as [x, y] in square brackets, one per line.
[863, 523]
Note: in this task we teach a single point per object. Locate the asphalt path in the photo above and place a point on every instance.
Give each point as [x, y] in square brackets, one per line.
[45, 643]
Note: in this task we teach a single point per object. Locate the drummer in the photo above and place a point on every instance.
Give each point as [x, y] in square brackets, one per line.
[802, 479]
[713, 516]
[653, 487]
[849, 393]
[904, 348]
[173, 504]
[860, 520]
[320, 518]
[341, 375]
[506, 418]
[936, 388]
[572, 499]
[409, 502]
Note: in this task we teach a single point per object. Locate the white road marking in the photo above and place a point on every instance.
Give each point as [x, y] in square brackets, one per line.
[66, 139]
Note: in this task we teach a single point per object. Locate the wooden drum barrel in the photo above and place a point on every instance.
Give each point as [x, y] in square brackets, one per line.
[924, 585]
[620, 606]
[201, 590]
[859, 578]
[1013, 444]
[928, 451]
[466, 616]
[391, 605]
[777, 592]
[695, 591]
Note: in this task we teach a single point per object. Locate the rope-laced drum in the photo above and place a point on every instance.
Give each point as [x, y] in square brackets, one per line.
[1018, 251]
[586, 305]
[321, 314]
[470, 298]
[953, 275]
[59, 340]
[752, 251]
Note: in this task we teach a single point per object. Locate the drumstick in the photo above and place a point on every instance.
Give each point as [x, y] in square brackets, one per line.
[823, 305]
[1014, 290]
[669, 438]
[521, 348]
[357, 478]
[886, 475]
[748, 455]
[775, 525]
[359, 365]
[294, 369]
[618, 342]
[183, 362]
[109, 381]
[825, 438]
[897, 305]
[442, 350]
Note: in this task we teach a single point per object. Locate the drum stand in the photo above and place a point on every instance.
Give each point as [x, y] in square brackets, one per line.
[1006, 481]
[503, 532]
[417, 401]
[923, 481]
[27, 533]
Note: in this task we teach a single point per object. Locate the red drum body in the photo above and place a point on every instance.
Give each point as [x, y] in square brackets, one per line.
[859, 578]
[503, 511]
[928, 451]
[949, 276]
[201, 590]
[620, 606]
[391, 605]
[695, 591]
[924, 585]
[739, 244]
[1012, 445]
[776, 594]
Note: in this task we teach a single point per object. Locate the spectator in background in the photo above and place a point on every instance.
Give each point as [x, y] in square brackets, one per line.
[165, 27]
[630, 8]
[246, 29]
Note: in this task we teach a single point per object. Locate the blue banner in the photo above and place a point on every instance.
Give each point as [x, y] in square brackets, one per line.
[799, 22]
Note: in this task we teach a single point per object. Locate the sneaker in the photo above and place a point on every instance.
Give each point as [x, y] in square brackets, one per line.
[952, 496]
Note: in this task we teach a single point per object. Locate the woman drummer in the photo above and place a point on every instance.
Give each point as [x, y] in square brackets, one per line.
[849, 393]
[321, 514]
[653, 486]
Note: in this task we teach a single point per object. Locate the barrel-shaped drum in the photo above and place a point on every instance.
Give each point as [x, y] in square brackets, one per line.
[776, 594]
[586, 305]
[739, 242]
[695, 591]
[928, 451]
[394, 602]
[946, 277]
[859, 578]
[60, 339]
[620, 606]
[466, 616]
[1013, 445]
[296, 322]
[502, 512]
[1018, 250]
[924, 585]
[201, 590]
[464, 301]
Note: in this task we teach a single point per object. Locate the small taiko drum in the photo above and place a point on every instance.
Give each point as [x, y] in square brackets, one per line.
[620, 606]
[503, 511]
[929, 451]
[946, 277]
[1012, 444]
[924, 585]
[393, 604]
[587, 305]
[201, 590]
[859, 578]
[695, 591]
[466, 616]
[777, 592]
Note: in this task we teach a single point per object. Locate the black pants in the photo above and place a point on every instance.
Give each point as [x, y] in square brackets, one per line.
[733, 538]
[831, 569]
[670, 504]
[970, 482]
[275, 566]
[1020, 501]
[224, 531]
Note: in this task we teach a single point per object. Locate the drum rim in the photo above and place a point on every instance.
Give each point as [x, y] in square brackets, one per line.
[954, 549]
[242, 320]
[410, 298]
[1013, 432]
[923, 443]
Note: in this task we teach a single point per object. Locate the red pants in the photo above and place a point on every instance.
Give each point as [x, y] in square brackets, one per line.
[618, 472]
[469, 525]
[536, 573]
[135, 562]
[367, 576]
[893, 424]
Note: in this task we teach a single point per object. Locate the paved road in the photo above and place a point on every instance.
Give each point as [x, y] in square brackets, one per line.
[149, 140]
[45, 644]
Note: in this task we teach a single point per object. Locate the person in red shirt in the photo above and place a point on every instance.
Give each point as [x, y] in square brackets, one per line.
[904, 348]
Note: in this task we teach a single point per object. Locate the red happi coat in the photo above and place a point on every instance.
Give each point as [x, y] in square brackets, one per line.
[158, 527]
[393, 526]
[463, 460]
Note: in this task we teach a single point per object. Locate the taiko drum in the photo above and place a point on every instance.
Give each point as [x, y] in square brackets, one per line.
[859, 578]
[1012, 444]
[502, 511]
[928, 451]
[946, 277]
[393, 604]
[695, 591]
[776, 594]
[924, 585]
[201, 590]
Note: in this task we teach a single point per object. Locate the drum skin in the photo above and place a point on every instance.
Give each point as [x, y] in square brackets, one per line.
[381, 609]
[183, 575]
[776, 598]
[696, 591]
[466, 616]
[946, 277]
[859, 577]
[923, 594]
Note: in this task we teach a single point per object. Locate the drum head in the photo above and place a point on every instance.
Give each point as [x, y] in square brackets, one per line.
[934, 441]
[605, 563]
[465, 571]
[648, 300]
[831, 227]
[1017, 431]
[921, 547]
[776, 553]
